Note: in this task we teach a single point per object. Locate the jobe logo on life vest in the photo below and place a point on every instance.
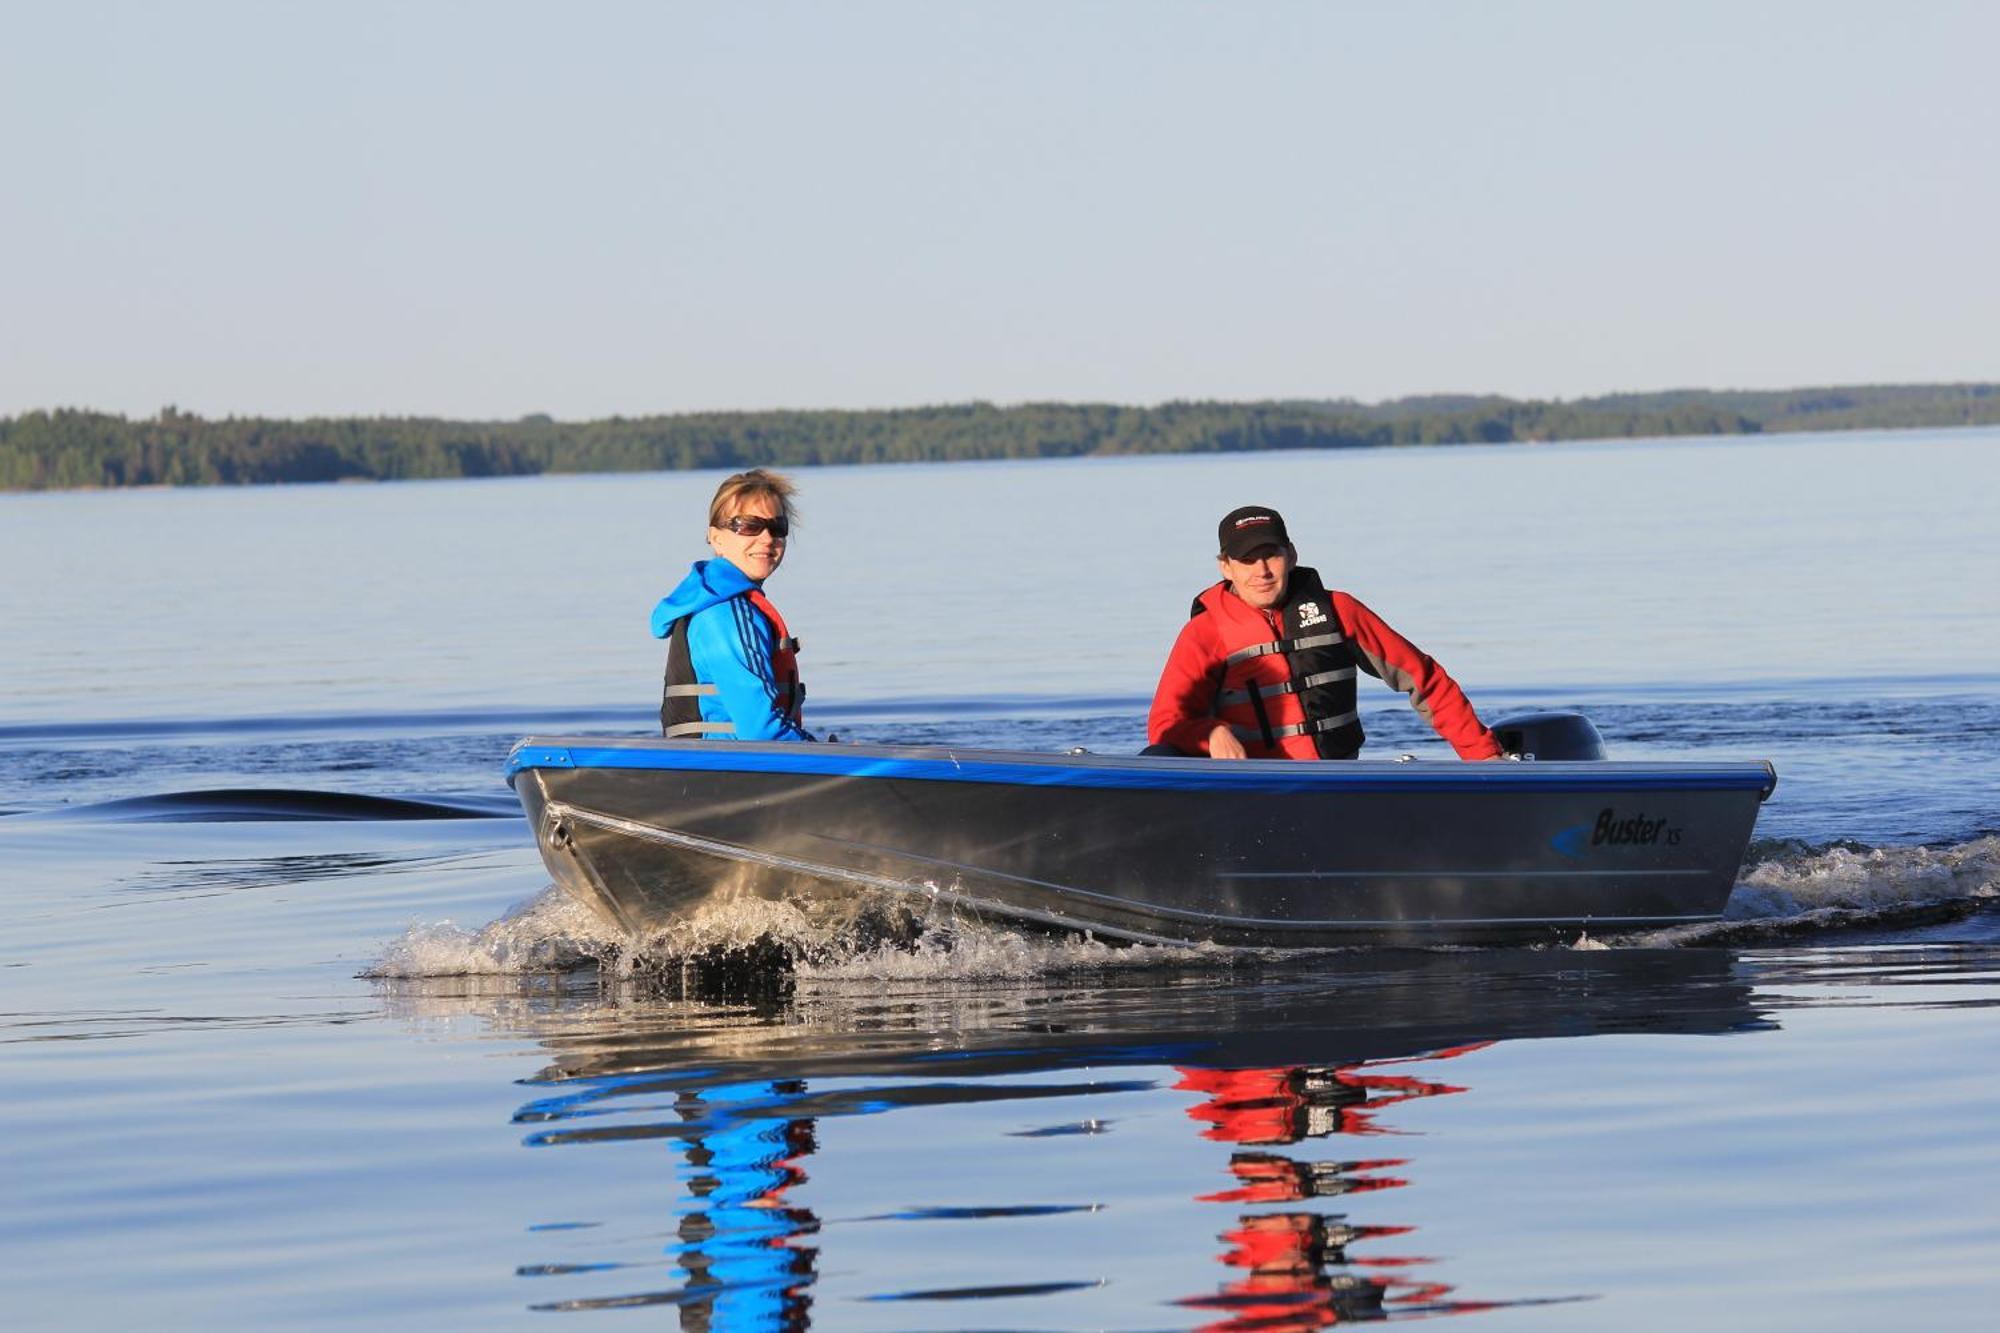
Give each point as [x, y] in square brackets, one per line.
[1610, 830]
[1310, 615]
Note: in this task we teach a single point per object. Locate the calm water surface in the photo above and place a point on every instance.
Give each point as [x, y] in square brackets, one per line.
[309, 1060]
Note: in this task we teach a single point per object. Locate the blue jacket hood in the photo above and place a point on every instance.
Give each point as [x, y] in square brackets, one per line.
[708, 582]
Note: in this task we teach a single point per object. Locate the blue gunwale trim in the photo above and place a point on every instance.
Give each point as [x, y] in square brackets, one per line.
[1100, 772]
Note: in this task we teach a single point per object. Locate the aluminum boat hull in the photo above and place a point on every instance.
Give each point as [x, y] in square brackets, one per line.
[1254, 853]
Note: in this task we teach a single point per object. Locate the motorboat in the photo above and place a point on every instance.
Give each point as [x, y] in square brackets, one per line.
[1253, 853]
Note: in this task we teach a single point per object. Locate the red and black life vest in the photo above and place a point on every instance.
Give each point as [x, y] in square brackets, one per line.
[681, 693]
[1292, 696]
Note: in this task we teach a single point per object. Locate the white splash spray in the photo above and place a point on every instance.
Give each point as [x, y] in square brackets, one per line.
[866, 938]
[1866, 878]
[1806, 890]
[551, 932]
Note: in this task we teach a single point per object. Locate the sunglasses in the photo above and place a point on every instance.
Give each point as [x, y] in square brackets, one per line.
[750, 525]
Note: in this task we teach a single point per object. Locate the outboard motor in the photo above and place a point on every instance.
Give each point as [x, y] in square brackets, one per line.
[1556, 735]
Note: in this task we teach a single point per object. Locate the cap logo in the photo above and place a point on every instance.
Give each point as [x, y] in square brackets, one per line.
[1254, 518]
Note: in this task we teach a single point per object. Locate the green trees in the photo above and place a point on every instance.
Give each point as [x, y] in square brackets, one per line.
[70, 448]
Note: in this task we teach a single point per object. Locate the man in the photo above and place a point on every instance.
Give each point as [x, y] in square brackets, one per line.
[1264, 668]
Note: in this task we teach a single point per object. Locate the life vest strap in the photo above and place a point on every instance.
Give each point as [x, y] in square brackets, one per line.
[1264, 731]
[1308, 728]
[1318, 678]
[697, 730]
[1282, 646]
[788, 692]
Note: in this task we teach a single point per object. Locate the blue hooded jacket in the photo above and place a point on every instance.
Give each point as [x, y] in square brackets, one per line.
[729, 644]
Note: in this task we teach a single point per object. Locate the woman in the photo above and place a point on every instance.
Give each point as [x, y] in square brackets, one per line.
[732, 666]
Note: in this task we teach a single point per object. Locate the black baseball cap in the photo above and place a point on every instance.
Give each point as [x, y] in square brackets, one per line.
[1244, 530]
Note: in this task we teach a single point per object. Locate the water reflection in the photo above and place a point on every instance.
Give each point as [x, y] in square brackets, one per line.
[737, 1248]
[737, 1234]
[1275, 1064]
[1285, 1283]
[1294, 1271]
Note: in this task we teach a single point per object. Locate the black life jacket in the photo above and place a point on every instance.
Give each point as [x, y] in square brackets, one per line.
[681, 693]
[1315, 664]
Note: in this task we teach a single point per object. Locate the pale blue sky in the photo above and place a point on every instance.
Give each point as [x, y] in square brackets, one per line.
[489, 209]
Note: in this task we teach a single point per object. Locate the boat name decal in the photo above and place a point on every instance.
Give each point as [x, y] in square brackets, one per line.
[1632, 831]
[1612, 830]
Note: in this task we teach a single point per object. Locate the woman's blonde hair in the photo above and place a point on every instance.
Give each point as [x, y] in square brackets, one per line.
[729, 496]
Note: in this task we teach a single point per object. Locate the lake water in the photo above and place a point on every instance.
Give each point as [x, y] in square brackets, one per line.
[363, 1070]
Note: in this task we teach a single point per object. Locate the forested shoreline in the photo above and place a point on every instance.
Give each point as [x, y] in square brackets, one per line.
[74, 448]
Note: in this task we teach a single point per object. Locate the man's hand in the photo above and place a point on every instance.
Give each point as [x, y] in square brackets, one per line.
[1222, 744]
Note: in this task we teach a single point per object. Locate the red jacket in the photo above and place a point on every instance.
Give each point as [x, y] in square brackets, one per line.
[1184, 709]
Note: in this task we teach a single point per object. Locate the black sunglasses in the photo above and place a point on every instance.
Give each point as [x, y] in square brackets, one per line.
[751, 525]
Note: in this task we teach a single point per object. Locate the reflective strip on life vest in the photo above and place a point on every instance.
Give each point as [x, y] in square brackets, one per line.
[1282, 646]
[1285, 687]
[699, 729]
[790, 697]
[1308, 728]
[794, 689]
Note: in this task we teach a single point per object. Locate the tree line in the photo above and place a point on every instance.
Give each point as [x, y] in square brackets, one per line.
[71, 448]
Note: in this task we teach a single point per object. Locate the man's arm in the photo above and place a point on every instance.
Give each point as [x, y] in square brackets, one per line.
[1183, 712]
[1404, 666]
[730, 645]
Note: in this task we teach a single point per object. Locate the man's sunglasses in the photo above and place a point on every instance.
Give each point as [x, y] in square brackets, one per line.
[750, 525]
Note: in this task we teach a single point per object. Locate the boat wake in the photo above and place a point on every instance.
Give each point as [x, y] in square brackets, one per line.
[752, 942]
[1789, 890]
[238, 805]
[551, 932]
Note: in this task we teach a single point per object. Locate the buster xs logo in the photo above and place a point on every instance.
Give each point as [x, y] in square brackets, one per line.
[1614, 830]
